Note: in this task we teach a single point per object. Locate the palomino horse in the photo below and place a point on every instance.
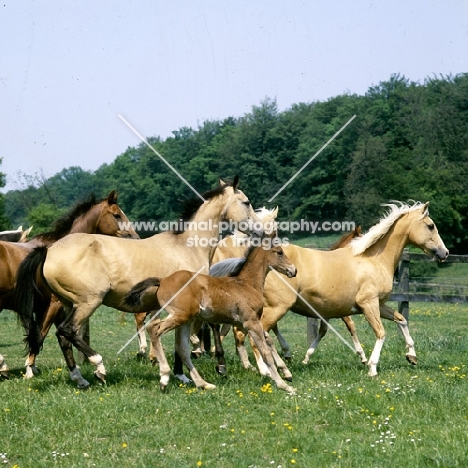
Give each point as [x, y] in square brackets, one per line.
[91, 216]
[188, 297]
[86, 270]
[234, 246]
[357, 279]
[15, 236]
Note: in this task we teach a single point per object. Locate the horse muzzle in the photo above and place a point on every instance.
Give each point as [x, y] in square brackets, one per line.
[440, 254]
[291, 271]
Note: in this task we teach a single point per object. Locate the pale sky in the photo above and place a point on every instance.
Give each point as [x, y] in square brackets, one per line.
[68, 68]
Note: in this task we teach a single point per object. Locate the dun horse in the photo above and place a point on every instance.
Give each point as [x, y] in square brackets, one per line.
[85, 271]
[188, 297]
[357, 279]
[91, 216]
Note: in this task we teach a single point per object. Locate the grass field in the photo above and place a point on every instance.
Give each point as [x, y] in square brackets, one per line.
[406, 417]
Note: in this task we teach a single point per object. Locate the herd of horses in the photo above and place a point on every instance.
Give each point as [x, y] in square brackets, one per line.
[89, 259]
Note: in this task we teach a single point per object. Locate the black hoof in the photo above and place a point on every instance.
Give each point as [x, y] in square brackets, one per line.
[141, 356]
[4, 375]
[221, 369]
[412, 360]
[289, 379]
[196, 354]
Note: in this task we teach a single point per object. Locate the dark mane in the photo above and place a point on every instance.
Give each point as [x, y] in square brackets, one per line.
[63, 225]
[191, 206]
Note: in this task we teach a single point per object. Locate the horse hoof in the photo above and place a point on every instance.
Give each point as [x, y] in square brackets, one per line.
[288, 358]
[288, 378]
[208, 386]
[412, 359]
[141, 356]
[83, 384]
[162, 387]
[100, 376]
[221, 370]
[4, 375]
[153, 362]
[196, 354]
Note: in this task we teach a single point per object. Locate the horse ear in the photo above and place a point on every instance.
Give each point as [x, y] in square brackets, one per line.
[112, 197]
[425, 209]
[236, 182]
[221, 182]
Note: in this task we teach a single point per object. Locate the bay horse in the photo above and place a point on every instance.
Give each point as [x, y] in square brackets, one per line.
[86, 270]
[357, 279]
[91, 216]
[188, 297]
[234, 246]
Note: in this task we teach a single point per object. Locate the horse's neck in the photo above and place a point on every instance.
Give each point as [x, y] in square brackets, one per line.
[203, 232]
[87, 223]
[255, 270]
[390, 247]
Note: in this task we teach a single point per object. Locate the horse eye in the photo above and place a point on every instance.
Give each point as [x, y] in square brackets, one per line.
[280, 253]
[431, 227]
[247, 203]
[117, 216]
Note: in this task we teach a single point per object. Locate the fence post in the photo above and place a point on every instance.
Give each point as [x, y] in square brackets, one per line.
[403, 282]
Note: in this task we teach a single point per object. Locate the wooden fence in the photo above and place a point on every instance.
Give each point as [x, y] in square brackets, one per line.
[401, 290]
[405, 291]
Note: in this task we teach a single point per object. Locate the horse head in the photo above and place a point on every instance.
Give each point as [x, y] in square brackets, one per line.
[113, 221]
[237, 207]
[423, 233]
[279, 261]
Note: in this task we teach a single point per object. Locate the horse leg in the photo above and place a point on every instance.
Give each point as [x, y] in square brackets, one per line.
[183, 349]
[349, 322]
[255, 329]
[372, 313]
[283, 343]
[239, 337]
[390, 314]
[70, 330]
[219, 350]
[140, 324]
[313, 346]
[3, 368]
[280, 364]
[54, 314]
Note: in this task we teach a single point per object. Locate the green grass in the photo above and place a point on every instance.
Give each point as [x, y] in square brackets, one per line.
[406, 417]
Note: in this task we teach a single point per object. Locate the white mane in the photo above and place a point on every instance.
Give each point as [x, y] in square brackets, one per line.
[376, 232]
[263, 212]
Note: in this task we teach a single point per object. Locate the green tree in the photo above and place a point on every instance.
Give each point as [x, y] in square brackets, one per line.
[42, 217]
[4, 221]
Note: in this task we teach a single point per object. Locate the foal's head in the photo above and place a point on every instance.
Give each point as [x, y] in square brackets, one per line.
[279, 261]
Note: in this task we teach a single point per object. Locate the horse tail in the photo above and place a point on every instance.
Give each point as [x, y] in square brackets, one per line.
[30, 303]
[135, 299]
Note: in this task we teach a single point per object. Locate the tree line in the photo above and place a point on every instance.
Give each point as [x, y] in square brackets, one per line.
[408, 141]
